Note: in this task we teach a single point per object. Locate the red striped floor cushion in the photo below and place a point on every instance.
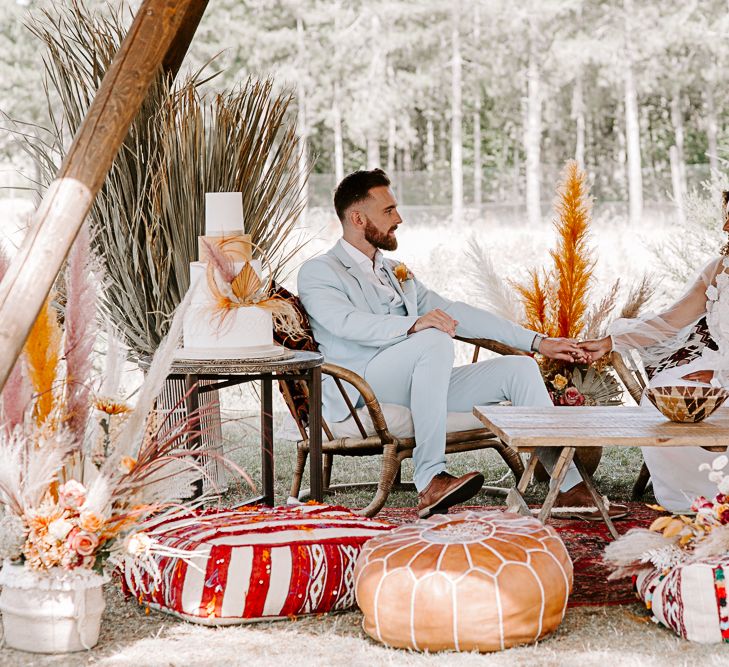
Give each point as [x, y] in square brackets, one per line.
[256, 563]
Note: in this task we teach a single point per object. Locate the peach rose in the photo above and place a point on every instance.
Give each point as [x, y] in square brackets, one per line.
[82, 542]
[90, 521]
[72, 494]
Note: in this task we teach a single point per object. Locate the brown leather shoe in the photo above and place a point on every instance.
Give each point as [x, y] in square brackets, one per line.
[577, 503]
[445, 490]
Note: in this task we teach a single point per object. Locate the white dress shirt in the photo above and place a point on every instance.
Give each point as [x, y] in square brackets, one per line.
[375, 273]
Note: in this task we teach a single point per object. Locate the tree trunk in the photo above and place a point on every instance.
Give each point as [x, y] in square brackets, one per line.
[712, 128]
[159, 36]
[677, 183]
[429, 144]
[678, 129]
[632, 126]
[578, 113]
[301, 122]
[338, 141]
[533, 134]
[373, 151]
[391, 139]
[442, 144]
[456, 118]
[477, 177]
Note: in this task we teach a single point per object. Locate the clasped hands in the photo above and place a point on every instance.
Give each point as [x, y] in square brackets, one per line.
[565, 349]
[601, 346]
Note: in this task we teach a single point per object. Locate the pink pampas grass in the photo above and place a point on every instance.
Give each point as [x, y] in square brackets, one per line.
[17, 393]
[81, 330]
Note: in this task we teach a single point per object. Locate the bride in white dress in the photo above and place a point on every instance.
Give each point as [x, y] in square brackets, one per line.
[675, 470]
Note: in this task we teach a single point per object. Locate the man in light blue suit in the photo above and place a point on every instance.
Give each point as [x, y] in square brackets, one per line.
[370, 315]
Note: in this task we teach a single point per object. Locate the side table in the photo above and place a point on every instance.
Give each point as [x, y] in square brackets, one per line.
[222, 373]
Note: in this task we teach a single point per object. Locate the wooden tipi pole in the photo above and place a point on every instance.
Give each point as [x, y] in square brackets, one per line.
[158, 38]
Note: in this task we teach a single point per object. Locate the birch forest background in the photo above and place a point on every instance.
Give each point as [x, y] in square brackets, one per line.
[470, 105]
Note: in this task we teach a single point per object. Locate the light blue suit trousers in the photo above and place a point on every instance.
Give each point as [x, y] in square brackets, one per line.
[355, 329]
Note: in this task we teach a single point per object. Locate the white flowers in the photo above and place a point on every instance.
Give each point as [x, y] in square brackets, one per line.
[138, 544]
[72, 494]
[715, 472]
[12, 536]
[59, 529]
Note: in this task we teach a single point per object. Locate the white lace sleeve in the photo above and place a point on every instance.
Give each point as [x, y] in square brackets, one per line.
[655, 336]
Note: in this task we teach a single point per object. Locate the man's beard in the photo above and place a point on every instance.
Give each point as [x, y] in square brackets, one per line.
[378, 239]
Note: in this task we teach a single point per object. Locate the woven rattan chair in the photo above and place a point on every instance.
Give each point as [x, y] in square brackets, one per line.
[635, 377]
[393, 449]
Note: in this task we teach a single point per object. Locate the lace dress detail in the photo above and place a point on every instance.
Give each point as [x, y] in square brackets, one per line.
[717, 319]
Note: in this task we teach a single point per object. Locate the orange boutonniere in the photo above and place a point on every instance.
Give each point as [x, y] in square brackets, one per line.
[402, 273]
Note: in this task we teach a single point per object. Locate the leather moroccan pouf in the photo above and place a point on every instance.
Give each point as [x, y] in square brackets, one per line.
[690, 599]
[480, 581]
[257, 563]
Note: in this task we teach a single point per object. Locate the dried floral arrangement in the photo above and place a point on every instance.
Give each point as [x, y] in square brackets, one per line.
[82, 471]
[233, 290]
[183, 143]
[556, 301]
[674, 540]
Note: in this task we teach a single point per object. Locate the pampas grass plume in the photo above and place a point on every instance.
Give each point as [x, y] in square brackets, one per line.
[43, 352]
[81, 330]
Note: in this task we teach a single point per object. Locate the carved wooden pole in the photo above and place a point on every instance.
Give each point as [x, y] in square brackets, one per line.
[158, 38]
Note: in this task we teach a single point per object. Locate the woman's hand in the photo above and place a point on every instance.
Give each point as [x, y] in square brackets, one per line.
[595, 349]
[700, 376]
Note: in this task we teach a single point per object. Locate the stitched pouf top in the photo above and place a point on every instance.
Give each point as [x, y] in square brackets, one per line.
[480, 581]
[233, 566]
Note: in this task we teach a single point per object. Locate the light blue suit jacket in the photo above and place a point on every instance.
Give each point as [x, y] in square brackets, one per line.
[351, 324]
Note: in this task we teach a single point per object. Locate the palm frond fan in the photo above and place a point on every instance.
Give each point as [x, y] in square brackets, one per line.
[183, 143]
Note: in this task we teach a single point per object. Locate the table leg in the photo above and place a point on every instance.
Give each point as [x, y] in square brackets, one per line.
[315, 454]
[267, 439]
[192, 407]
[599, 503]
[557, 475]
[515, 499]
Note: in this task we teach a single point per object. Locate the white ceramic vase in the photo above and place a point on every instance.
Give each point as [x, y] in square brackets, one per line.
[55, 612]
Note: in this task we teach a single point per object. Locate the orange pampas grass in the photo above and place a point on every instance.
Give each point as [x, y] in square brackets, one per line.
[557, 304]
[572, 261]
[43, 351]
[535, 301]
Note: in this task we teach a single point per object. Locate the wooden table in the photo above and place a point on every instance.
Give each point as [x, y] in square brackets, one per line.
[564, 429]
[230, 372]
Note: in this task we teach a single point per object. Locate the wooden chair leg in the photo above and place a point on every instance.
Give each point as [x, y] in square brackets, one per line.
[301, 456]
[511, 458]
[398, 478]
[328, 462]
[390, 466]
[641, 483]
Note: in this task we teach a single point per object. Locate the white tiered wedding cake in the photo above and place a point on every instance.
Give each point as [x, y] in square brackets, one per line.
[212, 330]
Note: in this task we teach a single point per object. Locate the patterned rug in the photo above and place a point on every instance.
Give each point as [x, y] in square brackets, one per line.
[585, 541]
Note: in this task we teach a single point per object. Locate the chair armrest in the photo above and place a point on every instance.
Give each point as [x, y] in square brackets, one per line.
[493, 345]
[340, 375]
[627, 376]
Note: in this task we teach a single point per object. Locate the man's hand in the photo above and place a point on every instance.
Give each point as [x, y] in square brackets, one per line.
[435, 319]
[565, 349]
[700, 376]
[596, 348]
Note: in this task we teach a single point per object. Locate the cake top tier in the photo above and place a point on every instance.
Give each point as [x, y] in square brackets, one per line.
[223, 213]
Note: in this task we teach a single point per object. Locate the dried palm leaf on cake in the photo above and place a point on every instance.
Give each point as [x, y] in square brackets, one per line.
[244, 289]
